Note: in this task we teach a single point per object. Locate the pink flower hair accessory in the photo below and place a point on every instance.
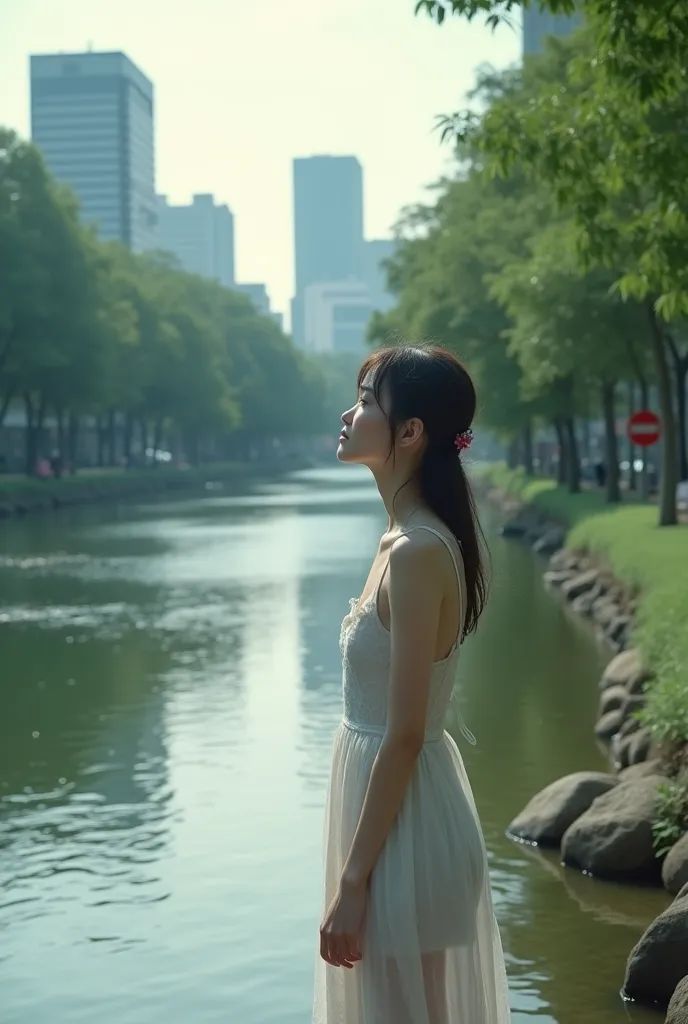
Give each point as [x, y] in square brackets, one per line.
[463, 440]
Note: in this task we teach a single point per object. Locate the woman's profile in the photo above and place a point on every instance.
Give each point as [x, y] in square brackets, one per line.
[408, 934]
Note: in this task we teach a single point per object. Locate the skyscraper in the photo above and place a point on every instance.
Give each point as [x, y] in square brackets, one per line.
[92, 118]
[201, 235]
[537, 25]
[328, 225]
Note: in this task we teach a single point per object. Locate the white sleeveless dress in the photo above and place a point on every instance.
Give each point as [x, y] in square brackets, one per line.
[431, 950]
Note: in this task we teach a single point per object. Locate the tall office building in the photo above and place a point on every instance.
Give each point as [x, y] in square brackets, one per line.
[201, 236]
[328, 226]
[92, 118]
[538, 25]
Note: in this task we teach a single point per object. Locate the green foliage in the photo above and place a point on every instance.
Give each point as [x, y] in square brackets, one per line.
[88, 328]
[672, 817]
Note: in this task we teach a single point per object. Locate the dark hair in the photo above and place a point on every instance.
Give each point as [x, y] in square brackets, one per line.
[428, 382]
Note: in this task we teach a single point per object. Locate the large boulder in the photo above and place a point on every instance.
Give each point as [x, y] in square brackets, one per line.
[617, 632]
[639, 746]
[613, 839]
[640, 770]
[550, 813]
[630, 725]
[555, 578]
[677, 1012]
[515, 528]
[550, 542]
[675, 867]
[612, 699]
[609, 724]
[624, 669]
[659, 961]
[582, 605]
[566, 559]
[580, 584]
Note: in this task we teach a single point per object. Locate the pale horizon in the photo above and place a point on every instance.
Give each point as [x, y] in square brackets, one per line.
[239, 94]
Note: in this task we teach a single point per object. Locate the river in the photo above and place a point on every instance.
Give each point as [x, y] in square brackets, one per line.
[170, 686]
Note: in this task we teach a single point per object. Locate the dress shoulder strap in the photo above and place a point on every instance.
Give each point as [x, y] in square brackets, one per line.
[459, 579]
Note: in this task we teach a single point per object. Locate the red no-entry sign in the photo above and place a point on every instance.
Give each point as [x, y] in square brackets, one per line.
[644, 428]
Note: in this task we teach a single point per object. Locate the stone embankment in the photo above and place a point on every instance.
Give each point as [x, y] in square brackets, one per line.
[603, 823]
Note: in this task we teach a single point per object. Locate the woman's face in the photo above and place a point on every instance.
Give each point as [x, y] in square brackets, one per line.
[365, 436]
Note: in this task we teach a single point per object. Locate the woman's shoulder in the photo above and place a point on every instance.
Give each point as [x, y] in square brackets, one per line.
[423, 546]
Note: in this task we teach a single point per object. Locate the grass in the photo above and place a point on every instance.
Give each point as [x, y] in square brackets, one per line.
[645, 557]
[22, 486]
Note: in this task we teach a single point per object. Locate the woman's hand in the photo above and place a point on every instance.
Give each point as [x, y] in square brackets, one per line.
[340, 932]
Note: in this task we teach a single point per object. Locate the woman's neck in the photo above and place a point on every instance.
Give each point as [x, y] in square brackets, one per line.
[401, 496]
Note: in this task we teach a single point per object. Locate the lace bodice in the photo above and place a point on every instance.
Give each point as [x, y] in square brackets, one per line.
[365, 646]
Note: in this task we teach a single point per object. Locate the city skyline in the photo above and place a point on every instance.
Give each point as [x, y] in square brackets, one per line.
[92, 117]
[234, 106]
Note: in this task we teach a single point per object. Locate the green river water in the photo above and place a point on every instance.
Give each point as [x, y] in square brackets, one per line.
[170, 686]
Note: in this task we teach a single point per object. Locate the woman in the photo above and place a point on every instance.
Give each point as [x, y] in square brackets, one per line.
[409, 935]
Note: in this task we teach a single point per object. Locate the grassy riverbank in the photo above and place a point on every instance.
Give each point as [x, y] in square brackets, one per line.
[652, 560]
[26, 494]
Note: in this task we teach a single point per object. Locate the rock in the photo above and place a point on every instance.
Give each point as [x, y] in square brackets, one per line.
[628, 726]
[677, 1013]
[550, 542]
[675, 867]
[658, 962]
[639, 771]
[609, 724]
[613, 839]
[514, 528]
[622, 669]
[639, 746]
[550, 813]
[617, 631]
[582, 605]
[604, 611]
[580, 584]
[621, 746]
[633, 703]
[565, 559]
[638, 683]
[612, 699]
[556, 578]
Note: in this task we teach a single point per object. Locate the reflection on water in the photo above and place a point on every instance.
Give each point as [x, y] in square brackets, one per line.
[171, 680]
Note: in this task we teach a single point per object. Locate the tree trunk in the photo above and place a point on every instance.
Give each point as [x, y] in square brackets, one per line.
[562, 471]
[668, 515]
[111, 436]
[157, 437]
[73, 442]
[143, 427]
[512, 455]
[680, 360]
[5, 404]
[61, 442]
[611, 447]
[632, 454]
[572, 456]
[527, 442]
[126, 440]
[30, 437]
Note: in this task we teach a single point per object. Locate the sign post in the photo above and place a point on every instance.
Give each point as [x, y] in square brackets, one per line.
[644, 429]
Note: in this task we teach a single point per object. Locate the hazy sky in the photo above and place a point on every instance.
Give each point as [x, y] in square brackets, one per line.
[242, 86]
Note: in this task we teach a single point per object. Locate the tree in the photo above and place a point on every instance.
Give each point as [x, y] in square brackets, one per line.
[570, 332]
[611, 160]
